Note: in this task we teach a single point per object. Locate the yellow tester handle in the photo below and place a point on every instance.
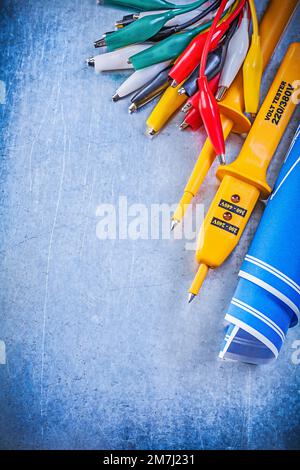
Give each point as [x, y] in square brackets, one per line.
[245, 179]
[252, 164]
[232, 106]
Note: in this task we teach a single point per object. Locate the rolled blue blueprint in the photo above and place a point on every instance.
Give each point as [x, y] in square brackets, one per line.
[266, 302]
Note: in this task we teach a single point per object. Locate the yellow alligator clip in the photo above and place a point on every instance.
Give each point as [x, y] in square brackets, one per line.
[253, 67]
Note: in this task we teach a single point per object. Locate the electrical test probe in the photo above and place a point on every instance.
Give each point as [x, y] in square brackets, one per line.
[244, 180]
[232, 106]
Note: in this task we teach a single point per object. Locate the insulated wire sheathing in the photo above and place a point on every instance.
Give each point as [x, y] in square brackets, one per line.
[116, 60]
[171, 47]
[192, 21]
[187, 16]
[273, 24]
[193, 118]
[167, 106]
[207, 104]
[174, 26]
[236, 53]
[191, 56]
[138, 79]
[150, 91]
[143, 5]
[142, 29]
[214, 65]
[170, 102]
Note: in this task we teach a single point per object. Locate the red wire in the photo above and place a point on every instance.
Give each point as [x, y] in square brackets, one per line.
[213, 28]
[210, 36]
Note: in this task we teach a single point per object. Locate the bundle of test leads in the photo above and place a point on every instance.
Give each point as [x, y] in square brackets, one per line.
[199, 57]
[190, 54]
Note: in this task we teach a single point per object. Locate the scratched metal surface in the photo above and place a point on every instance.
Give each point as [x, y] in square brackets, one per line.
[102, 350]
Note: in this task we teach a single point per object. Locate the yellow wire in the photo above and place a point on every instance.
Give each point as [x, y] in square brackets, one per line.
[254, 18]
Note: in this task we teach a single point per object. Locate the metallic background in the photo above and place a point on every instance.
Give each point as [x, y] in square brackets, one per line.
[102, 350]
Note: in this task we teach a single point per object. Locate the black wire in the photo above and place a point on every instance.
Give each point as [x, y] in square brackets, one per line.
[166, 31]
[199, 17]
[232, 29]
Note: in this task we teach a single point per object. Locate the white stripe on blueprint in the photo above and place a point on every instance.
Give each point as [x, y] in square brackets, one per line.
[252, 332]
[261, 316]
[273, 271]
[271, 289]
[229, 341]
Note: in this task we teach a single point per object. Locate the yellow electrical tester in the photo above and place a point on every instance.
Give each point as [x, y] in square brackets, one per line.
[232, 107]
[244, 180]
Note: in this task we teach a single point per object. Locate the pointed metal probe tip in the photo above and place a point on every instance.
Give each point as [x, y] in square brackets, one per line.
[174, 224]
[184, 125]
[221, 92]
[191, 298]
[222, 159]
[116, 97]
[100, 43]
[132, 108]
[186, 107]
[181, 91]
[91, 61]
[174, 84]
[150, 132]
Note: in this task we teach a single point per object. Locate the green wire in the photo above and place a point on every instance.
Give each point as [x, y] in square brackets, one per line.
[144, 5]
[145, 28]
[169, 48]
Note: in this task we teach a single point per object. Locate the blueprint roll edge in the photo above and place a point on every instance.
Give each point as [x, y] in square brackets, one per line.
[266, 302]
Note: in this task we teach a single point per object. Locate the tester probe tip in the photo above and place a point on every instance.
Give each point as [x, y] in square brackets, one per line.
[174, 224]
[191, 298]
[174, 84]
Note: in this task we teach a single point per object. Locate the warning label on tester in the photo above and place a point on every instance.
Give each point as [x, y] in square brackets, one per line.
[233, 208]
[279, 103]
[225, 226]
